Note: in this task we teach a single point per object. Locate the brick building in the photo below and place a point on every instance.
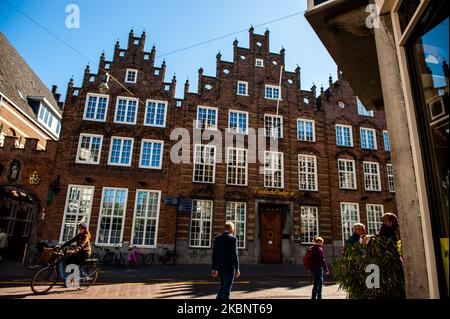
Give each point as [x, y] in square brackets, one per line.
[123, 132]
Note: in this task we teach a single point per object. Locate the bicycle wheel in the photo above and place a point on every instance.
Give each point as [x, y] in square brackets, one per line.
[108, 259]
[44, 280]
[168, 259]
[89, 275]
[148, 260]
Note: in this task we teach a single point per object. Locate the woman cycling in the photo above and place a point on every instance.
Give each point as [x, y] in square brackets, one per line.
[83, 246]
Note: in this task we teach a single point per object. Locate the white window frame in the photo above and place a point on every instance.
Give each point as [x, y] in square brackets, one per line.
[154, 119]
[202, 221]
[100, 217]
[346, 236]
[146, 218]
[236, 131]
[371, 178]
[374, 223]
[229, 165]
[197, 123]
[308, 225]
[259, 63]
[362, 109]
[375, 146]
[304, 131]
[343, 139]
[307, 174]
[246, 88]
[151, 153]
[271, 170]
[135, 76]
[270, 86]
[77, 158]
[386, 133]
[77, 214]
[96, 107]
[272, 129]
[200, 163]
[121, 149]
[236, 222]
[128, 99]
[345, 172]
[390, 178]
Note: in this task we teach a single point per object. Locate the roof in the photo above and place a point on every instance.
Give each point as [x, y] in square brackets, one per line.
[19, 83]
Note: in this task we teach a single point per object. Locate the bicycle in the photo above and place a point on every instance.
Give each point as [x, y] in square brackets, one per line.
[113, 257]
[167, 257]
[46, 277]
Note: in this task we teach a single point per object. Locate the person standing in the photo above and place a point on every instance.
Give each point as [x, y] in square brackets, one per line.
[3, 243]
[225, 260]
[358, 232]
[318, 267]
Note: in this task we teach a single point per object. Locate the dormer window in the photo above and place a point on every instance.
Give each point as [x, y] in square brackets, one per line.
[136, 42]
[107, 66]
[131, 76]
[146, 56]
[157, 72]
[91, 78]
[259, 63]
[122, 53]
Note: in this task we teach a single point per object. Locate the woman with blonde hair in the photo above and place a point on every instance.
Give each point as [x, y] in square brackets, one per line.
[82, 249]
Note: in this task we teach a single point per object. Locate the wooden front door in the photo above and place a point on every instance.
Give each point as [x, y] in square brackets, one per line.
[271, 234]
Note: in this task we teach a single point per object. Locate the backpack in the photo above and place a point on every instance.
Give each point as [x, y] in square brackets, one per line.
[308, 259]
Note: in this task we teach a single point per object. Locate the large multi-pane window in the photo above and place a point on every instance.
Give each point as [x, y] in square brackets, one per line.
[200, 228]
[272, 92]
[242, 88]
[306, 130]
[120, 151]
[374, 214]
[390, 178]
[387, 141]
[204, 163]
[238, 122]
[362, 110]
[111, 217]
[89, 148]
[347, 174]
[206, 118]
[77, 209]
[368, 138]
[155, 113]
[151, 154]
[371, 176]
[145, 221]
[96, 107]
[237, 166]
[307, 172]
[126, 110]
[344, 135]
[273, 169]
[273, 126]
[309, 223]
[349, 217]
[236, 213]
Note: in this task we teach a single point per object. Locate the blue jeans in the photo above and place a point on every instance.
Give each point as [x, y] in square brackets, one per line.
[226, 282]
[317, 274]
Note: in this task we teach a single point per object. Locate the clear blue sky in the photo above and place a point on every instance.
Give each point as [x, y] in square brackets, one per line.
[170, 25]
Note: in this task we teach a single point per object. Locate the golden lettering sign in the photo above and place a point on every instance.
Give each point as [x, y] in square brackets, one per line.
[271, 192]
[34, 178]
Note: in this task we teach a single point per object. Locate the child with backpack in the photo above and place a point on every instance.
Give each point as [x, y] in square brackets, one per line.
[314, 261]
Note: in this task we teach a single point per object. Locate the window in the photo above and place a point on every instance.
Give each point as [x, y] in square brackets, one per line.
[371, 176]
[145, 221]
[155, 113]
[349, 217]
[207, 118]
[242, 88]
[237, 166]
[89, 148]
[272, 92]
[368, 138]
[273, 169]
[347, 174]
[362, 110]
[307, 172]
[126, 110]
[390, 178]
[236, 213]
[306, 130]
[201, 219]
[310, 223]
[131, 76]
[273, 126]
[259, 63]
[151, 154]
[374, 214]
[46, 117]
[387, 142]
[238, 122]
[111, 216]
[120, 151]
[204, 163]
[78, 208]
[344, 135]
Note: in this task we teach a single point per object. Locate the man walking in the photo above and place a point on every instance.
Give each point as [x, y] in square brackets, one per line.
[225, 260]
[358, 232]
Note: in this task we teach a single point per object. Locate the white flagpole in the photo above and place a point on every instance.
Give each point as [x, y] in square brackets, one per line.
[279, 85]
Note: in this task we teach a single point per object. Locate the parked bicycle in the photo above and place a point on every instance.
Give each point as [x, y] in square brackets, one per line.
[47, 276]
[114, 257]
[166, 257]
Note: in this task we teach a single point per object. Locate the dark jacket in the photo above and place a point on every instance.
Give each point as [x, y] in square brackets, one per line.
[225, 253]
[353, 239]
[83, 244]
[318, 258]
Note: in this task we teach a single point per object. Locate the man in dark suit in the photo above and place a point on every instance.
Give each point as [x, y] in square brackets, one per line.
[225, 260]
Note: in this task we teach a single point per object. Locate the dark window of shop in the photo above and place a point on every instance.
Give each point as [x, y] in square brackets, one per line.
[428, 54]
